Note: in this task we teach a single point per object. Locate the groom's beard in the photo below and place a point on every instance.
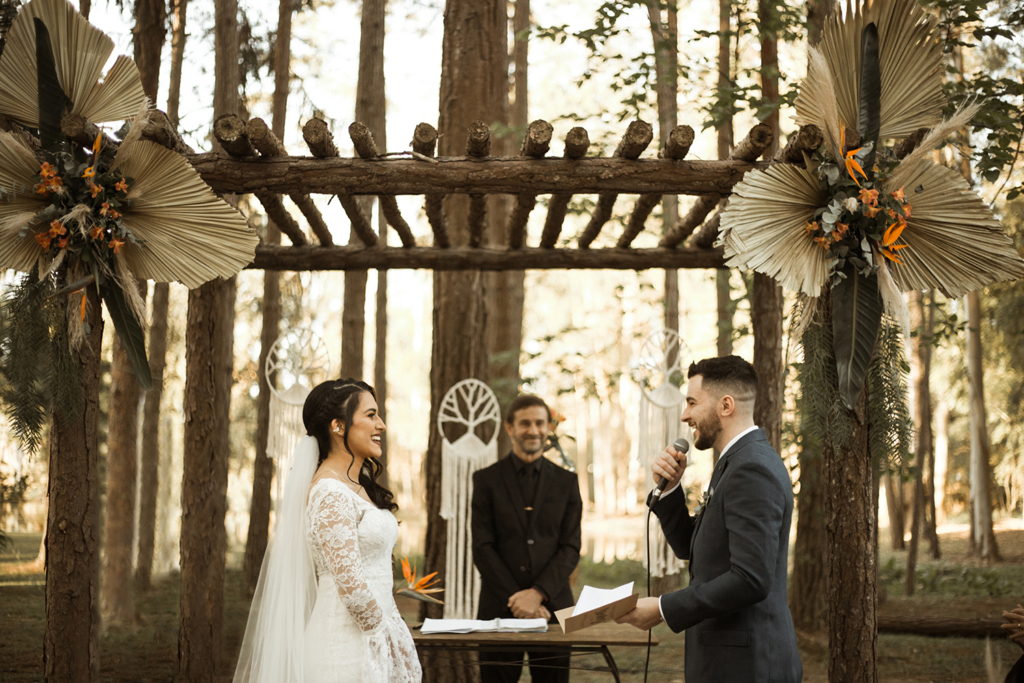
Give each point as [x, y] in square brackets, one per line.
[707, 432]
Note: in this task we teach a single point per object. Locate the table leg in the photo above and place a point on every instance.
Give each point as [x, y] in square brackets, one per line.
[611, 663]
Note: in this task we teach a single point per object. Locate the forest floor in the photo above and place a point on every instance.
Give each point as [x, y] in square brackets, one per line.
[955, 586]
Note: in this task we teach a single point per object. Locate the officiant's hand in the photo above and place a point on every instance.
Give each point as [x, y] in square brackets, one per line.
[669, 465]
[526, 604]
[1015, 625]
[645, 616]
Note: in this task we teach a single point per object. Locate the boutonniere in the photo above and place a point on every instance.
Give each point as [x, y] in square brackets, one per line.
[704, 500]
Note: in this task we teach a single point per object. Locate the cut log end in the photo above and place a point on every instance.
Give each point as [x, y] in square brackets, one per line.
[538, 139]
[478, 142]
[577, 142]
[229, 130]
[263, 138]
[362, 140]
[679, 142]
[319, 139]
[424, 139]
[638, 135]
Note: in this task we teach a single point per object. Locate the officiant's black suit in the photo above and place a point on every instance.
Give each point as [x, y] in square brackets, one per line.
[515, 548]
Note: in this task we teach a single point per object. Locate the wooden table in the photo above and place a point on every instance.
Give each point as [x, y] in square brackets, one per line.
[594, 639]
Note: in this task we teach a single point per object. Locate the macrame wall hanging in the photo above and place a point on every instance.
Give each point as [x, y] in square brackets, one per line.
[470, 411]
[659, 371]
[297, 361]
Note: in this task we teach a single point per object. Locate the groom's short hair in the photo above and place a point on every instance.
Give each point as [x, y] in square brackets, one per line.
[726, 375]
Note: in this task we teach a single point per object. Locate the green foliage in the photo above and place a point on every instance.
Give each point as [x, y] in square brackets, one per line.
[990, 30]
[52, 98]
[892, 429]
[823, 414]
[954, 580]
[870, 117]
[129, 330]
[37, 371]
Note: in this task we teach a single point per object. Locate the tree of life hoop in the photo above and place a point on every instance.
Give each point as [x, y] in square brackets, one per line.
[469, 403]
[659, 368]
[297, 360]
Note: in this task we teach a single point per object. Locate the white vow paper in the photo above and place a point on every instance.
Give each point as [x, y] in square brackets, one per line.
[592, 598]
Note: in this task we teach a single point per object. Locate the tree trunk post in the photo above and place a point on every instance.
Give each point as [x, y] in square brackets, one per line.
[852, 566]
[71, 638]
[981, 469]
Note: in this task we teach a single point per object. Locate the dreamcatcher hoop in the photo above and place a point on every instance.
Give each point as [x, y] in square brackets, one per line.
[470, 404]
[658, 370]
[296, 362]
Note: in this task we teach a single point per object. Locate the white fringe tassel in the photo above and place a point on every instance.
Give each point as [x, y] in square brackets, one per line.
[659, 427]
[459, 461]
[284, 431]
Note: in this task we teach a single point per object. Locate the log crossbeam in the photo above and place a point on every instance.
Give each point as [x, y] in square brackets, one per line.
[366, 148]
[348, 257]
[577, 142]
[638, 135]
[676, 148]
[535, 146]
[320, 141]
[230, 132]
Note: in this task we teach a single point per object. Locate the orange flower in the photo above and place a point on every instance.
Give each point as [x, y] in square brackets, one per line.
[97, 143]
[821, 242]
[121, 185]
[44, 240]
[872, 211]
[63, 242]
[115, 244]
[96, 232]
[892, 256]
[852, 166]
[47, 170]
[40, 189]
[90, 172]
[57, 228]
[907, 209]
[54, 183]
[898, 194]
[841, 229]
[811, 227]
[94, 189]
[869, 197]
[104, 208]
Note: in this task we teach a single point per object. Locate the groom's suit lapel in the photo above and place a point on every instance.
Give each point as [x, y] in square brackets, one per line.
[718, 476]
[508, 474]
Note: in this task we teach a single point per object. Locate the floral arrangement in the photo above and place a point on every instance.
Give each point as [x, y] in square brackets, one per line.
[419, 589]
[103, 217]
[845, 219]
[552, 443]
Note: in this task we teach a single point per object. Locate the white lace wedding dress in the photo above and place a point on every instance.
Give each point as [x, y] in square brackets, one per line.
[355, 633]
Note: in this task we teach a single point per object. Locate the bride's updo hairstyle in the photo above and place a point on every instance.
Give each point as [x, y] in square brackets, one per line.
[338, 400]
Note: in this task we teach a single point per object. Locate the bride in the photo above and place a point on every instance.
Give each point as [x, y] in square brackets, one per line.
[323, 611]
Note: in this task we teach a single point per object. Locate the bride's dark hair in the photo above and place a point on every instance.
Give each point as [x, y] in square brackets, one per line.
[338, 400]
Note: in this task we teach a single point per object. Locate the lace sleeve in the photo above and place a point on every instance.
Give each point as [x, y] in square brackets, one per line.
[333, 522]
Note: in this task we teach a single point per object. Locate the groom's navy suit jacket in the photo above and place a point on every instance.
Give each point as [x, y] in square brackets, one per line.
[514, 550]
[735, 611]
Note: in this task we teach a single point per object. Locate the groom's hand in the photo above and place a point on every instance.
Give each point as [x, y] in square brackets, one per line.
[526, 604]
[645, 616]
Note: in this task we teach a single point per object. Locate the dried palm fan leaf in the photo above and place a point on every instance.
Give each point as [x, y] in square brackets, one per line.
[764, 227]
[18, 169]
[910, 63]
[820, 89]
[80, 51]
[188, 233]
[960, 118]
[954, 242]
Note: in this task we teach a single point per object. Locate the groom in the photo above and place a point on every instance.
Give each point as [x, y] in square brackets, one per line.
[735, 612]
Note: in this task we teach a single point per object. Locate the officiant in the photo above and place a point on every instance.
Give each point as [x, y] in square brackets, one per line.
[526, 514]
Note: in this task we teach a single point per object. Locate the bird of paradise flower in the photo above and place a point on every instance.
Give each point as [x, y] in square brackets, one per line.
[419, 589]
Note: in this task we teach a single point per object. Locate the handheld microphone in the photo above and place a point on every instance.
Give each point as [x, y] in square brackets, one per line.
[681, 445]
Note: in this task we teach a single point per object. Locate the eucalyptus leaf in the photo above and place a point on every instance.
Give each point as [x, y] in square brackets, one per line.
[856, 318]
[129, 330]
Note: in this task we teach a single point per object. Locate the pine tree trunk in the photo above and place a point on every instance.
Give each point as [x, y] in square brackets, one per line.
[258, 532]
[894, 505]
[71, 636]
[852, 566]
[122, 477]
[178, 39]
[209, 339]
[149, 465]
[981, 468]
[920, 371]
[474, 85]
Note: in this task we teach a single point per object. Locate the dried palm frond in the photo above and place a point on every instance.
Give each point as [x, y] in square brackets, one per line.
[960, 118]
[910, 62]
[188, 233]
[18, 169]
[955, 243]
[818, 88]
[892, 297]
[80, 52]
[764, 227]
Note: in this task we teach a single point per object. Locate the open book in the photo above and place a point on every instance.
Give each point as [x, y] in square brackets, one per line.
[478, 626]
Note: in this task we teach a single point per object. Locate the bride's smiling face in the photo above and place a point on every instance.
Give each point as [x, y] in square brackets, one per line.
[366, 432]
